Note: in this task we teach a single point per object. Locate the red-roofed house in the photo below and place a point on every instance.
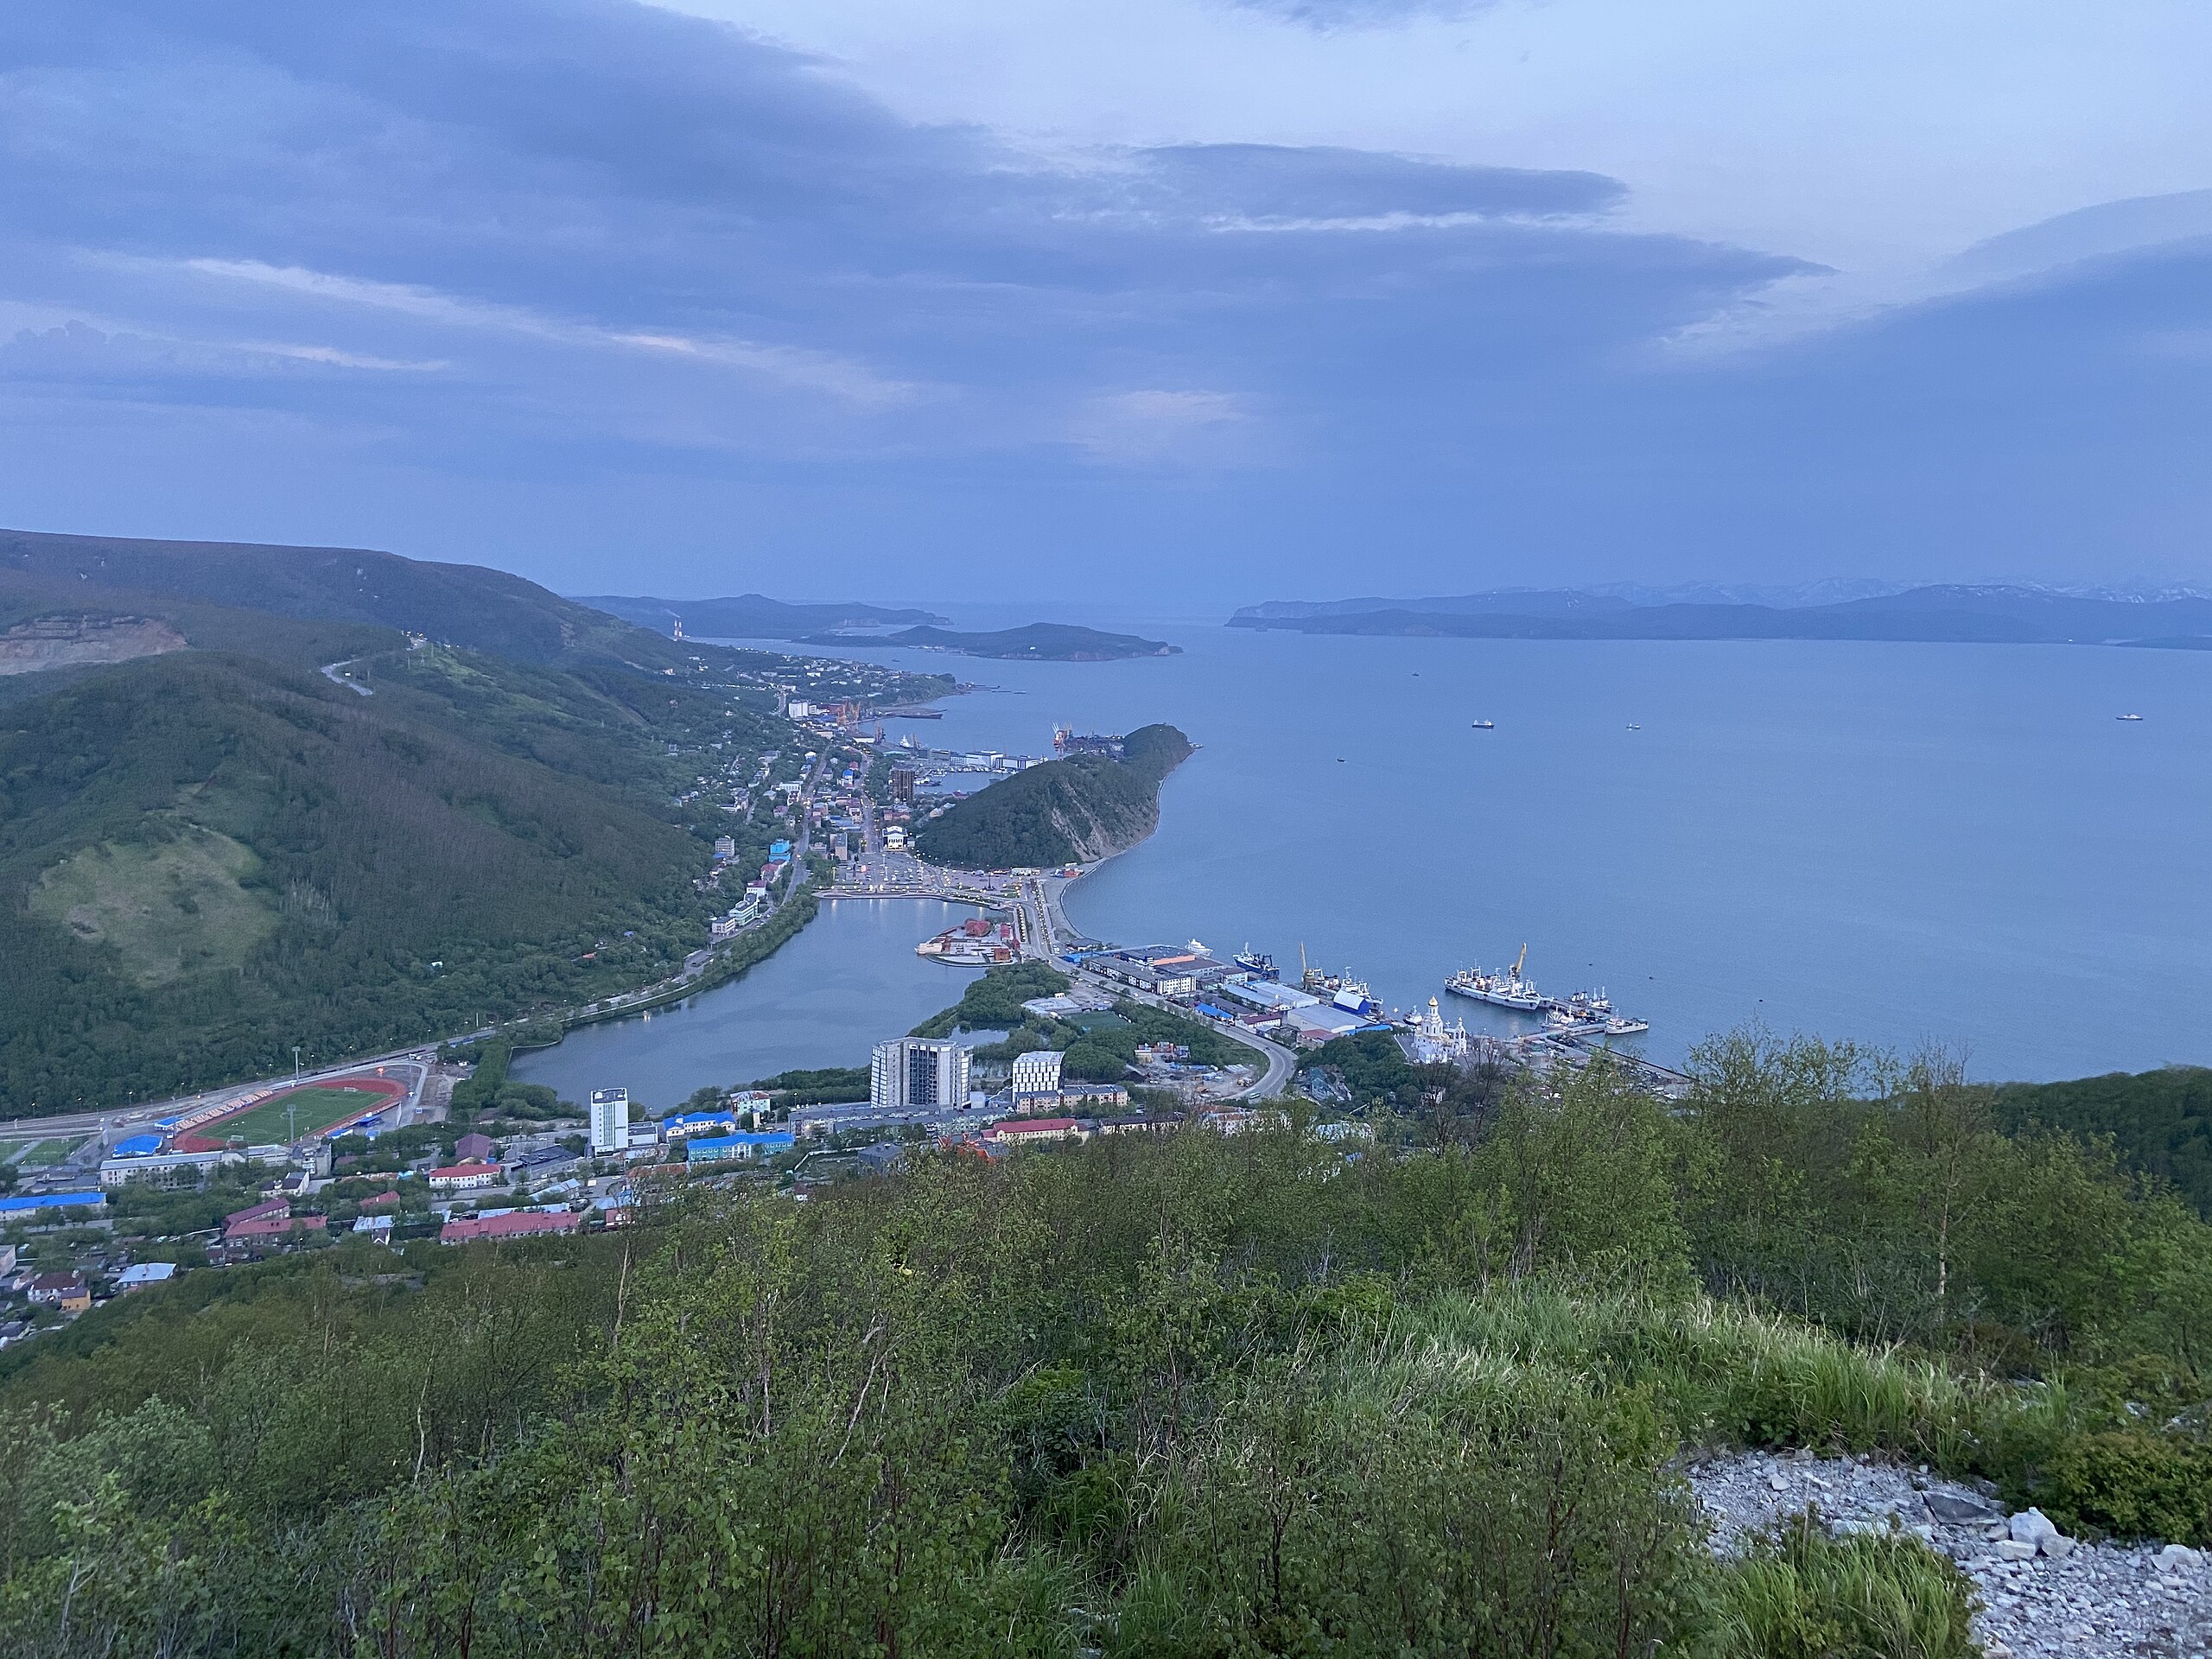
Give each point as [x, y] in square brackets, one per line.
[462, 1178]
[516, 1224]
[274, 1227]
[257, 1211]
[387, 1199]
[1034, 1131]
[474, 1149]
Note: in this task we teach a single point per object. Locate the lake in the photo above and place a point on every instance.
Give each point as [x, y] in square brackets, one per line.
[849, 980]
[1893, 843]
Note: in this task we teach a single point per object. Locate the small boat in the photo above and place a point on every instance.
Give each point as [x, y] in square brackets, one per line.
[2128, 716]
[1621, 1024]
[1633, 726]
[1485, 725]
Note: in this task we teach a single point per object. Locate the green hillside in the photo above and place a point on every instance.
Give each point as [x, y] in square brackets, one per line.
[2160, 1121]
[208, 857]
[456, 604]
[1085, 807]
[1443, 1393]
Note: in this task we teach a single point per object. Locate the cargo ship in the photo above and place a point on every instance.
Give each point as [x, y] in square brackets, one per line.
[1505, 990]
[1257, 963]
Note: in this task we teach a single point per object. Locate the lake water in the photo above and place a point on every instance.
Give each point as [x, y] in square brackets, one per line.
[848, 981]
[1894, 843]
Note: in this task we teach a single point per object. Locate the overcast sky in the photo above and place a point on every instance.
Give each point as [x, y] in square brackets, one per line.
[1226, 301]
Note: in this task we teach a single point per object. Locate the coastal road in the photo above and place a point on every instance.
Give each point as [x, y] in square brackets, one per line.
[1280, 1061]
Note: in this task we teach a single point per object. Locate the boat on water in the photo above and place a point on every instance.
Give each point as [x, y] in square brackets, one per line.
[1625, 1024]
[1505, 990]
[1338, 990]
[1485, 725]
[1257, 964]
[976, 943]
[2127, 716]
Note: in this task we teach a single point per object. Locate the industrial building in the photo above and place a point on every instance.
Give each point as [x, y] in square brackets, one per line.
[610, 1121]
[911, 1072]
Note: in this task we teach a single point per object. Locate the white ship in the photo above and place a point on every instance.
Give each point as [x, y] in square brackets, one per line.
[1505, 990]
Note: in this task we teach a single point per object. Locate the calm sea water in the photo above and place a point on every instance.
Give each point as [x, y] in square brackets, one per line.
[848, 981]
[1893, 843]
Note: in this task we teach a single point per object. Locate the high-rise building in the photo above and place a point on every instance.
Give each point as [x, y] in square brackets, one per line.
[917, 1072]
[610, 1121]
[1037, 1072]
[902, 786]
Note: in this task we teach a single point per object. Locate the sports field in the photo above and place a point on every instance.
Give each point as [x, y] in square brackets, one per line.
[45, 1153]
[312, 1108]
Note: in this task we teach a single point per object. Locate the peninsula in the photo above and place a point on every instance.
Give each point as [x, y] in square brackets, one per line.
[1087, 806]
[1039, 642]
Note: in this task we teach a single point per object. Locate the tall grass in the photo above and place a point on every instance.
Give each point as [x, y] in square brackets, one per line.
[1728, 1375]
[1800, 1594]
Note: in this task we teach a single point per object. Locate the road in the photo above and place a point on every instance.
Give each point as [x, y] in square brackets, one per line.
[1280, 1061]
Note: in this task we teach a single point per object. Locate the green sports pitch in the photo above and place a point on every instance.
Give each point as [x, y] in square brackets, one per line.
[310, 1109]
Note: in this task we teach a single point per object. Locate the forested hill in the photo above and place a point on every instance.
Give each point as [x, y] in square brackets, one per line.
[462, 605]
[1064, 811]
[211, 850]
[2159, 1122]
[1037, 642]
[750, 616]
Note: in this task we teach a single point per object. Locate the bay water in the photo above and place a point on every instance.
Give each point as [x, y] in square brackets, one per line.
[1898, 844]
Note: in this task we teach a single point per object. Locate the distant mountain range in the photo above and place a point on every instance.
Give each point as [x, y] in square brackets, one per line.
[1987, 614]
[1039, 642]
[751, 616]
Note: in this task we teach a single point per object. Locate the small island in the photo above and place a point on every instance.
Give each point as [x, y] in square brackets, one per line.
[1088, 806]
[1039, 642]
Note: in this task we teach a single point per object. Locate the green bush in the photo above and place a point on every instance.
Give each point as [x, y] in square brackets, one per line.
[2133, 1484]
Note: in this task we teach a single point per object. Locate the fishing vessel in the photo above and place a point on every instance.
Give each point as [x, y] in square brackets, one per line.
[1257, 964]
[1485, 725]
[1625, 1024]
[1505, 990]
[2127, 716]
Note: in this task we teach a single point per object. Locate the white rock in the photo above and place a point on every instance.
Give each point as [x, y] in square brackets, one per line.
[2058, 1545]
[2174, 1557]
[2013, 1549]
[2031, 1527]
[1775, 1481]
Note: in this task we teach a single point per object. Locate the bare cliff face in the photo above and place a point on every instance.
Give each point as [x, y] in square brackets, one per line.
[69, 641]
[1095, 833]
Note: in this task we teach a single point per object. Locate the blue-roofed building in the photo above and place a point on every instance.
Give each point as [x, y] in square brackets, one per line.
[712, 1149]
[28, 1202]
[689, 1123]
[137, 1146]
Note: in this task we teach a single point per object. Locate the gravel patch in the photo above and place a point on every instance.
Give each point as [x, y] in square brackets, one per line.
[2041, 1594]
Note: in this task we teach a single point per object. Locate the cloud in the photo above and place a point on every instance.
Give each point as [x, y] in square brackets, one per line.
[540, 279]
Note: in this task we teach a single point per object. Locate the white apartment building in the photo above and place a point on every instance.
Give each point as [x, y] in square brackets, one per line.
[917, 1072]
[610, 1121]
[1037, 1072]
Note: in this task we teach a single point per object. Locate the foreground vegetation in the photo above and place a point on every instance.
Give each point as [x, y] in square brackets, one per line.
[1190, 1395]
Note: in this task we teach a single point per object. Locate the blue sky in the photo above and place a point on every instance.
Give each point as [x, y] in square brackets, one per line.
[971, 298]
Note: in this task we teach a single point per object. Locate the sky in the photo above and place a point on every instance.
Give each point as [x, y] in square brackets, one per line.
[1210, 300]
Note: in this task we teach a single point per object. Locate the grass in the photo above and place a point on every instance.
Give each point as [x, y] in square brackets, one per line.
[42, 1155]
[1726, 1376]
[166, 909]
[1800, 1594]
[316, 1108]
